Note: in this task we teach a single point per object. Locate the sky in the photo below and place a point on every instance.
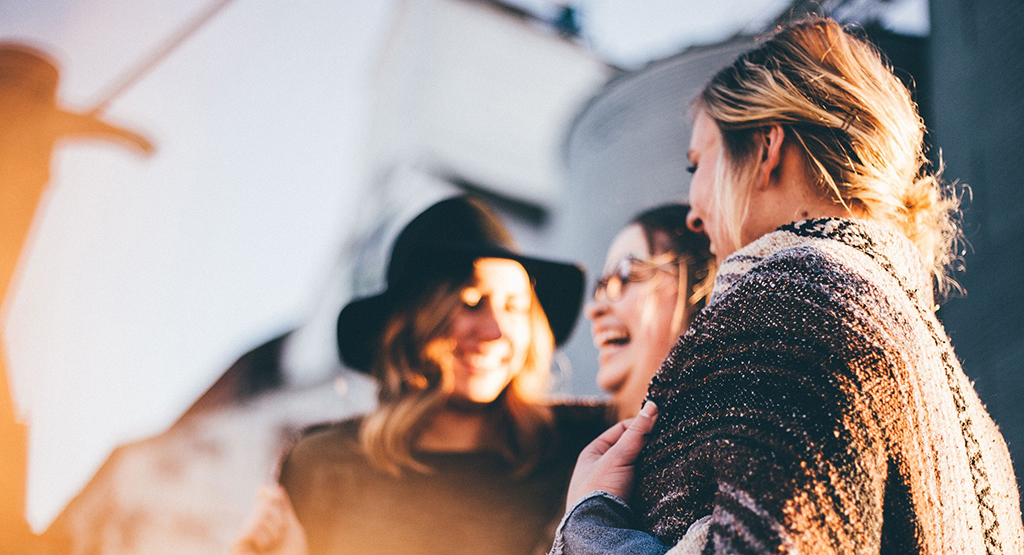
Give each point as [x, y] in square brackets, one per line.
[148, 276]
[631, 33]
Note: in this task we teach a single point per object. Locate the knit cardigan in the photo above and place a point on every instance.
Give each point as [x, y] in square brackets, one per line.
[816, 406]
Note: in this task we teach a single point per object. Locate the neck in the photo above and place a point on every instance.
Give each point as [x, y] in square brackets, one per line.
[821, 208]
[456, 430]
[812, 205]
[786, 201]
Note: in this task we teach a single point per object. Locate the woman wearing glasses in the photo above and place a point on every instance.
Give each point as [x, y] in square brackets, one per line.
[656, 278]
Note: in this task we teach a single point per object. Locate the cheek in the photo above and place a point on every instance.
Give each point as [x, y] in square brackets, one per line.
[630, 311]
[660, 330]
[520, 334]
[440, 351]
[460, 327]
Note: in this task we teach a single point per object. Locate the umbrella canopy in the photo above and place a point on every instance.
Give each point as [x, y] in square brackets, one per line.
[148, 276]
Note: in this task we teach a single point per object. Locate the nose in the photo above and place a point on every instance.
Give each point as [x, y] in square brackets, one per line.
[595, 308]
[693, 222]
[489, 325]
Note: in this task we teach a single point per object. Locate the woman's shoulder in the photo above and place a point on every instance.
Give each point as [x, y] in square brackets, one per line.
[833, 254]
[334, 441]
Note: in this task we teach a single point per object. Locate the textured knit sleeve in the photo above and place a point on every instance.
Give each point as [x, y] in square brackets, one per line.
[764, 423]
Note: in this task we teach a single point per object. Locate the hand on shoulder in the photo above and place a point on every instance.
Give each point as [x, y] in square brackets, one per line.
[607, 463]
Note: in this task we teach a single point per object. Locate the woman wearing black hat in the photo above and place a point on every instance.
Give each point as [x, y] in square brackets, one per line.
[462, 454]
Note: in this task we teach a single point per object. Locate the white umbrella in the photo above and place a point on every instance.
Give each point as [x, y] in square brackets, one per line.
[147, 277]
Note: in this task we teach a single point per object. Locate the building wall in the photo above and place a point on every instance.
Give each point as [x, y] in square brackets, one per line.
[977, 66]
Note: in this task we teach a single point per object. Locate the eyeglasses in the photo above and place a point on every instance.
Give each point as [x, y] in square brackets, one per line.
[631, 269]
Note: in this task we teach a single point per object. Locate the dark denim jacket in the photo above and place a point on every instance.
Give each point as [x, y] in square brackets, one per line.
[601, 523]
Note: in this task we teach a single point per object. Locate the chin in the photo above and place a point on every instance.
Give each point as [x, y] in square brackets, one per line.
[611, 377]
[479, 395]
[483, 398]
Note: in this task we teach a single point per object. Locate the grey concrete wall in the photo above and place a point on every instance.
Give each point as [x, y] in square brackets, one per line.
[977, 119]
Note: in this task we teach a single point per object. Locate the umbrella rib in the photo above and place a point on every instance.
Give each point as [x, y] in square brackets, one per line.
[133, 75]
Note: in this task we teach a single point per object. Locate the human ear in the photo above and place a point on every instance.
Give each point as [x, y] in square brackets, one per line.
[771, 154]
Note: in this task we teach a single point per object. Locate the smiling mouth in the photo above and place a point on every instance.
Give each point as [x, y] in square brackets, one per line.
[482, 364]
[611, 338]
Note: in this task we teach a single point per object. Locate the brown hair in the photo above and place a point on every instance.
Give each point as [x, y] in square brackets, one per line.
[665, 230]
[855, 122]
[414, 386]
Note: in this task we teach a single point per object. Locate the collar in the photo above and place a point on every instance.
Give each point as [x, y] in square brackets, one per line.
[864, 246]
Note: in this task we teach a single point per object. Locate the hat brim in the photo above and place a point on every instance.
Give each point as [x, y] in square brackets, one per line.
[559, 287]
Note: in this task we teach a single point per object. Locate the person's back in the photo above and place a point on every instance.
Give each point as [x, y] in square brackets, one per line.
[845, 407]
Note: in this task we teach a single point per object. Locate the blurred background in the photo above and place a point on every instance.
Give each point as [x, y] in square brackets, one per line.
[171, 319]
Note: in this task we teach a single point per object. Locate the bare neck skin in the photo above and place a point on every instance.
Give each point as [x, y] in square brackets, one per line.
[783, 192]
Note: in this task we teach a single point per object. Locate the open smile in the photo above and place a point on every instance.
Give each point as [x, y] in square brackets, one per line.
[481, 363]
[609, 342]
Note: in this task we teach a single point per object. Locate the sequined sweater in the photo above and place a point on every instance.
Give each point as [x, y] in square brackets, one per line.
[816, 406]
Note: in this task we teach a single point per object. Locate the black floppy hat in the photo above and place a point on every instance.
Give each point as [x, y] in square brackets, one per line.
[441, 244]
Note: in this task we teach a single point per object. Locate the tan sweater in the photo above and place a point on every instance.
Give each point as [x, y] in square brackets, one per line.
[469, 504]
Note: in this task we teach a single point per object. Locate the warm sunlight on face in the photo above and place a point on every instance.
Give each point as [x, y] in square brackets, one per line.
[704, 155]
[634, 332]
[490, 331]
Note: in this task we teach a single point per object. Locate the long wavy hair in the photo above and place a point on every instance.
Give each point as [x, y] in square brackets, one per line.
[856, 124]
[414, 386]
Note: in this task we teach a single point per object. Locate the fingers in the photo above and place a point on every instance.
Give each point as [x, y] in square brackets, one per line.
[644, 421]
[607, 463]
[634, 436]
[600, 445]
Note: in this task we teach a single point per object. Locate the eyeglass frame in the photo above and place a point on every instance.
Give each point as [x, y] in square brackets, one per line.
[622, 275]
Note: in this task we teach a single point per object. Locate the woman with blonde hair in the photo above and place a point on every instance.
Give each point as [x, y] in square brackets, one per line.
[816, 404]
[463, 454]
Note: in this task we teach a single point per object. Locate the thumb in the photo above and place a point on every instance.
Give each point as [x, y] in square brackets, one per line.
[633, 439]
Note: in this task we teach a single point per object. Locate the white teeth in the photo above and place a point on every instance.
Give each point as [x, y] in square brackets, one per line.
[490, 360]
[604, 337]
